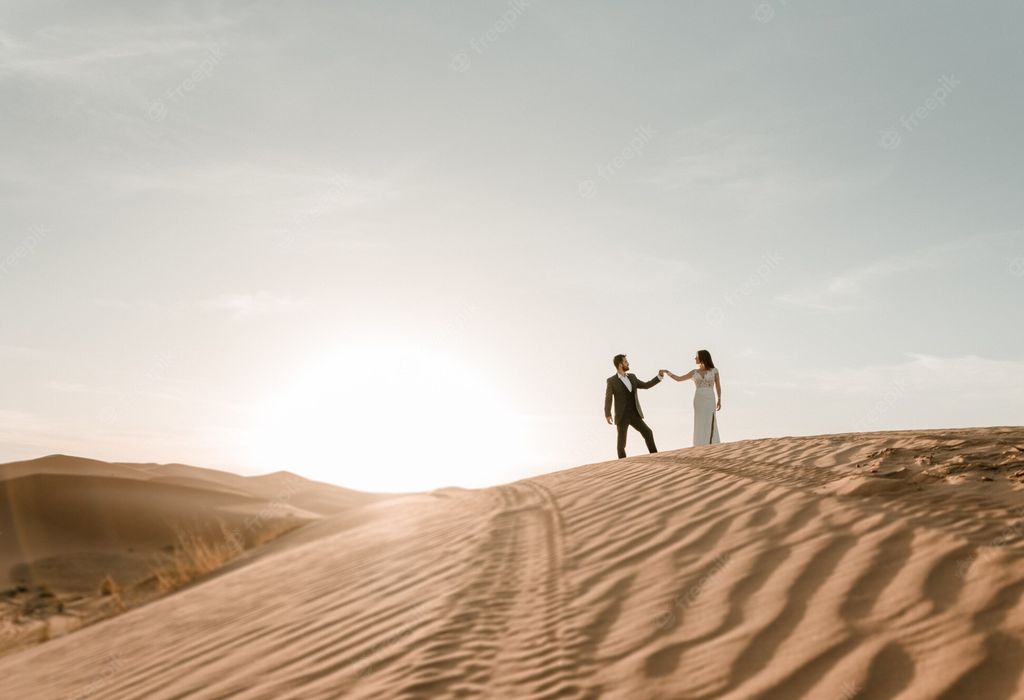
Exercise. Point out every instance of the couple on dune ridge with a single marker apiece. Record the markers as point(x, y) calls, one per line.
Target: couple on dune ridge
point(622, 388)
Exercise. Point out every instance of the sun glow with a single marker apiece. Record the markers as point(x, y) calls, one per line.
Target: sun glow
point(391, 418)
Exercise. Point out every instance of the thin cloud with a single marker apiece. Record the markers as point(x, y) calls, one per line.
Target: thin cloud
point(844, 292)
point(918, 373)
point(242, 305)
point(813, 301)
point(854, 281)
point(58, 52)
point(129, 304)
point(730, 160)
point(251, 305)
point(78, 388)
point(18, 351)
point(62, 63)
point(848, 290)
point(963, 375)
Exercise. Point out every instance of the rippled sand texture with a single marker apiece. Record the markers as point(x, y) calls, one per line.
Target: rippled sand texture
point(882, 565)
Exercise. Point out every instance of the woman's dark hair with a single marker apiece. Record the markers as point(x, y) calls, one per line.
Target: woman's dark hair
point(705, 359)
point(617, 360)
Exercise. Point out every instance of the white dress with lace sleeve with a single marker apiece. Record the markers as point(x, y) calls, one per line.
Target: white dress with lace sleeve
point(705, 420)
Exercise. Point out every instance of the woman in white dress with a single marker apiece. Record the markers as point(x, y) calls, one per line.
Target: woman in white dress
point(705, 405)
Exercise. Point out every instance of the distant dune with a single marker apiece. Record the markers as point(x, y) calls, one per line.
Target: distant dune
point(876, 565)
point(81, 539)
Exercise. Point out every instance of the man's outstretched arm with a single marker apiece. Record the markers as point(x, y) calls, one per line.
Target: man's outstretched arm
point(647, 384)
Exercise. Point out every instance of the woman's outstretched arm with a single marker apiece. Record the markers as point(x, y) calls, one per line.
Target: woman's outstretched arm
point(677, 377)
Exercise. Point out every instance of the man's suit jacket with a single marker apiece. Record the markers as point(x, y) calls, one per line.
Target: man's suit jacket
point(617, 389)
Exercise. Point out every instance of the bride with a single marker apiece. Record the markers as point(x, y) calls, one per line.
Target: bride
point(705, 425)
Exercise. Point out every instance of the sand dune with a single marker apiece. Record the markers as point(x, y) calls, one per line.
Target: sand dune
point(278, 486)
point(883, 565)
point(69, 523)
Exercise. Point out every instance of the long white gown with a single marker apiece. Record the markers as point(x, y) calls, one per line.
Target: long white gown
point(705, 420)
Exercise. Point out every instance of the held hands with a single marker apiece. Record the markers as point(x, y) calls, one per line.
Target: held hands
point(661, 373)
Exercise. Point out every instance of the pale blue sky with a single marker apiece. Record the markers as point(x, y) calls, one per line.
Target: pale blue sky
point(367, 242)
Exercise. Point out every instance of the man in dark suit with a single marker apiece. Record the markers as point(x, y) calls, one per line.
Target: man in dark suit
point(622, 386)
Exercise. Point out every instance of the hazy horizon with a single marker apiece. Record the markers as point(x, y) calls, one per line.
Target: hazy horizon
point(395, 247)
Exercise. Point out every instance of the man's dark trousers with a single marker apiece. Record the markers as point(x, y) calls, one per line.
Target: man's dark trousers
point(631, 417)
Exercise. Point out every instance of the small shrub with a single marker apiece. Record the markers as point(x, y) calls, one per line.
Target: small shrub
point(108, 586)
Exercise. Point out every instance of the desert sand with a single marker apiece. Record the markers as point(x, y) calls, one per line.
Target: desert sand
point(874, 565)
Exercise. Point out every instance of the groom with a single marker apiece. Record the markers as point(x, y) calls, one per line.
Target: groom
point(623, 385)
